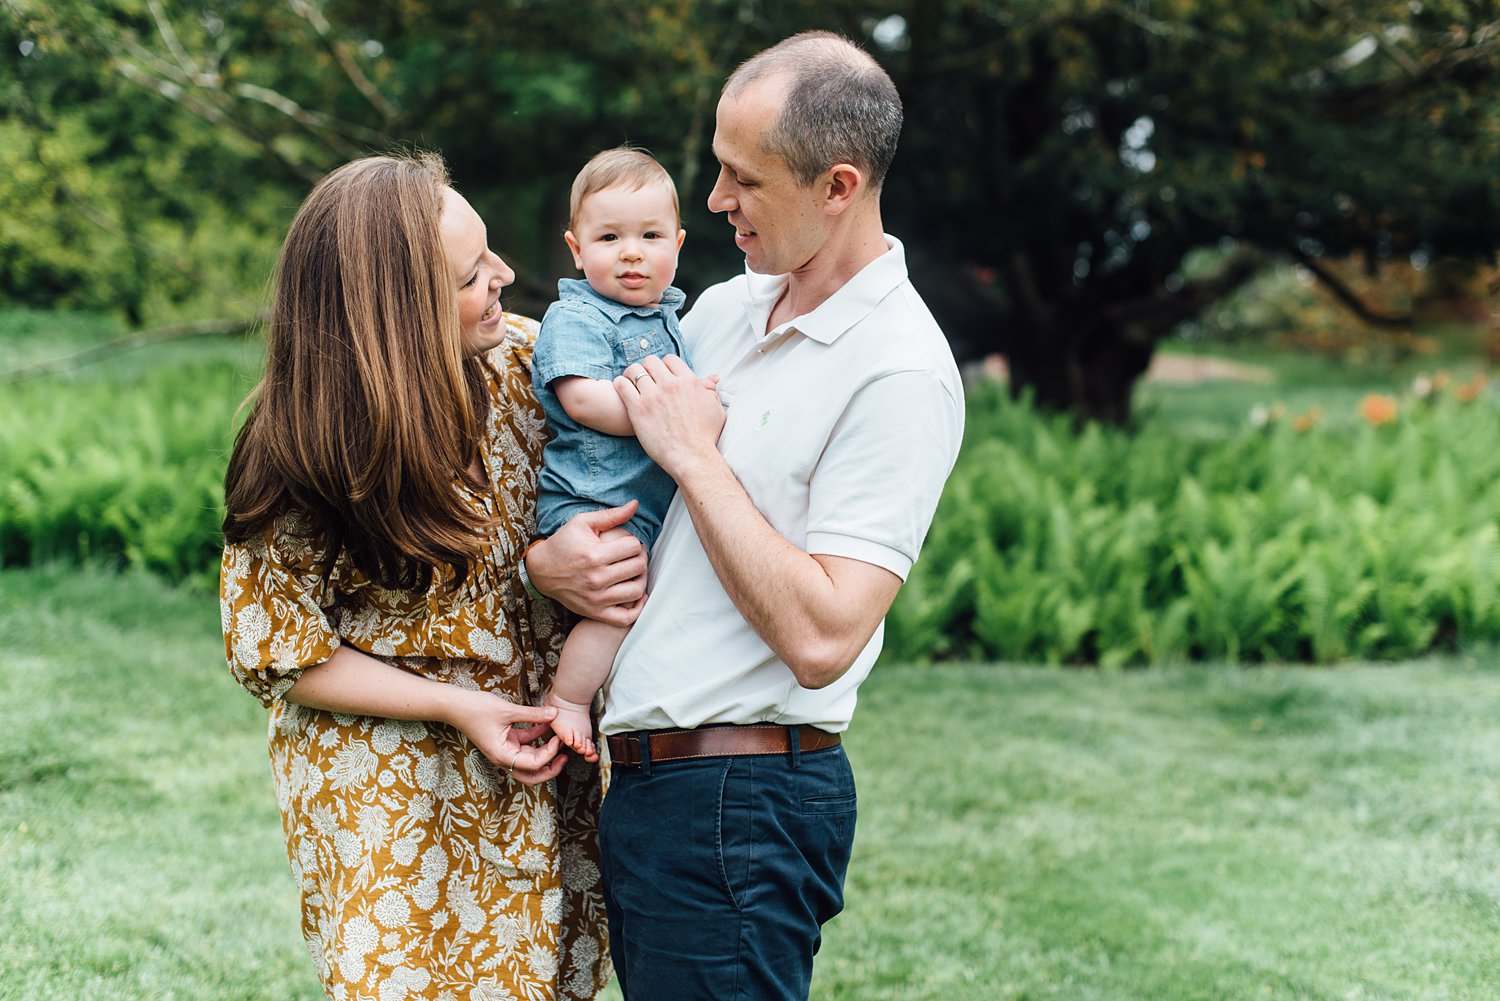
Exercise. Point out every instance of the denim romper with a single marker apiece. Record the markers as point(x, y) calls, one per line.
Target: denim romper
point(586, 334)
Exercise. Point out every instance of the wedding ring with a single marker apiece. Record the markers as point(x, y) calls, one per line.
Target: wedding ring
point(637, 380)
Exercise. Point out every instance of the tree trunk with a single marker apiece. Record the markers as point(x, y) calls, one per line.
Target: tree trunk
point(1090, 371)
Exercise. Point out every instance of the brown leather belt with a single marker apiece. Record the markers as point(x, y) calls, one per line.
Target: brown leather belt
point(716, 742)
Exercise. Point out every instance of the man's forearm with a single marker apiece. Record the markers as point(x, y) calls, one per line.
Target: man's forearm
point(816, 613)
point(815, 621)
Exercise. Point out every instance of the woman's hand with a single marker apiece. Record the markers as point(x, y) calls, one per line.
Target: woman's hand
point(490, 723)
point(353, 682)
point(593, 566)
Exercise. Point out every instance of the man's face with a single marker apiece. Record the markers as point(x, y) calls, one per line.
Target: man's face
point(778, 223)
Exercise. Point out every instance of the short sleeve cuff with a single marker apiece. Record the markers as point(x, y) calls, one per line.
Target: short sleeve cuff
point(277, 689)
point(849, 547)
point(550, 373)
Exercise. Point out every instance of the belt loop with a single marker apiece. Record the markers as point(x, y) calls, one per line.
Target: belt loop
point(794, 738)
point(645, 738)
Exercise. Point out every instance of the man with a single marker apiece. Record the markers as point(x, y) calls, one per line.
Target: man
point(730, 819)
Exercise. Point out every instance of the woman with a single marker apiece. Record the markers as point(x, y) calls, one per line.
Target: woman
point(379, 499)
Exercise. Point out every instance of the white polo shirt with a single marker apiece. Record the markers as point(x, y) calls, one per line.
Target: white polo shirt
point(842, 426)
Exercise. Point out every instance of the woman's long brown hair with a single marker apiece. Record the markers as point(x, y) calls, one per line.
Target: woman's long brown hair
point(369, 416)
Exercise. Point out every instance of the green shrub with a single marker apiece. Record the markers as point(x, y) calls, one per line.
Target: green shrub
point(1052, 544)
point(121, 463)
point(1258, 544)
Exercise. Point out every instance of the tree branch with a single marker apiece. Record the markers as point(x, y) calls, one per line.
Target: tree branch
point(179, 95)
point(183, 84)
point(1147, 320)
point(325, 127)
point(356, 76)
point(1344, 294)
point(169, 36)
point(140, 339)
point(693, 138)
point(1437, 65)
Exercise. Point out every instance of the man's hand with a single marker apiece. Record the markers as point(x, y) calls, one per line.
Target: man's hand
point(593, 566)
point(677, 416)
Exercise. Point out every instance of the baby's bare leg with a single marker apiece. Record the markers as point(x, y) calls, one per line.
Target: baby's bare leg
point(586, 658)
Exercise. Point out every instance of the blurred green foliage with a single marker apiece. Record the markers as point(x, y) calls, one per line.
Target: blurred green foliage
point(120, 464)
point(1062, 160)
point(1302, 539)
point(1275, 534)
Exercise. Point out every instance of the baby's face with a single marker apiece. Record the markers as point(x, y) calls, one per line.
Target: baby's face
point(625, 242)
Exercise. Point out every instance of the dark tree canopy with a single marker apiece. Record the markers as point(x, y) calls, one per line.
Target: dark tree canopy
point(1075, 156)
point(1075, 179)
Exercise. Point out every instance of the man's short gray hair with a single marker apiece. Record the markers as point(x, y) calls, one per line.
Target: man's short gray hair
point(841, 106)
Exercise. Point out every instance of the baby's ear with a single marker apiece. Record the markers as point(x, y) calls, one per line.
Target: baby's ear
point(572, 242)
point(681, 235)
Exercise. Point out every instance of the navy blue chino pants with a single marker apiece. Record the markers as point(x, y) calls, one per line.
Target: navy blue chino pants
point(720, 872)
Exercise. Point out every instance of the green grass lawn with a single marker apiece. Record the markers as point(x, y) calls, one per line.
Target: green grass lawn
point(1196, 833)
point(1300, 381)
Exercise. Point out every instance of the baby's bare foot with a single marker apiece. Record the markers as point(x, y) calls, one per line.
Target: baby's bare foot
point(573, 725)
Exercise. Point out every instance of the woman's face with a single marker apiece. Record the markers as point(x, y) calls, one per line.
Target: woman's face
point(478, 274)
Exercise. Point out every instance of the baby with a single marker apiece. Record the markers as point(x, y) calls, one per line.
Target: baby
point(624, 231)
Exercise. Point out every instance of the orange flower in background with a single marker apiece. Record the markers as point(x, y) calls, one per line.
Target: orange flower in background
point(1471, 389)
point(1308, 421)
point(1377, 409)
point(1440, 380)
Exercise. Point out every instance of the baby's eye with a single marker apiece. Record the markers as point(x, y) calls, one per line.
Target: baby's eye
point(608, 237)
point(651, 234)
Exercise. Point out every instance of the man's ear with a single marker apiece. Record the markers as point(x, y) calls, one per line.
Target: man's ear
point(844, 184)
point(572, 242)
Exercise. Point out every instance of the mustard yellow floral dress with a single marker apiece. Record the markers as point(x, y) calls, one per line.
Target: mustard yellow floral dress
point(424, 871)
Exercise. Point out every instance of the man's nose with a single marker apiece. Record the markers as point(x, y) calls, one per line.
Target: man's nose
point(716, 199)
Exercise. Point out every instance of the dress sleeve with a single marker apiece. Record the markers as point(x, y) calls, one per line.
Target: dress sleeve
point(274, 627)
point(519, 343)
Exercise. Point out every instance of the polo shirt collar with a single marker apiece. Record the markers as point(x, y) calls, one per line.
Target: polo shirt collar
point(576, 288)
point(841, 311)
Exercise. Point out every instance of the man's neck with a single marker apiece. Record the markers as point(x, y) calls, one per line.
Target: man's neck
point(840, 259)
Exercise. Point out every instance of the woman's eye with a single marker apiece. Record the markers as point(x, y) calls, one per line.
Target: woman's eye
point(472, 279)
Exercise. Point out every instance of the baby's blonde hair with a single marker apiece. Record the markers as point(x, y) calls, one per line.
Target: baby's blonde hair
point(627, 167)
